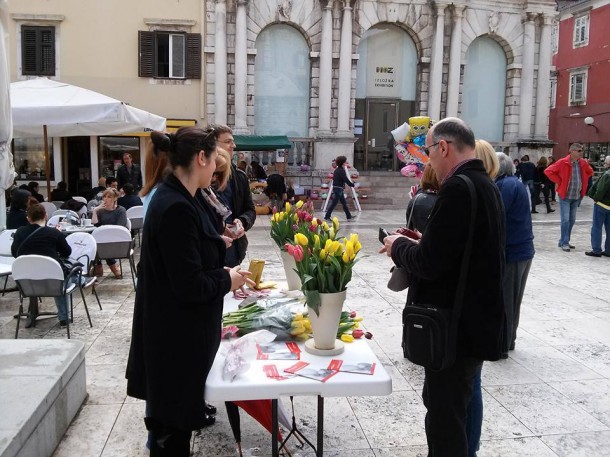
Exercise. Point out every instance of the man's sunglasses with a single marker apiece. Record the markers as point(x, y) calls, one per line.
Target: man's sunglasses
point(426, 149)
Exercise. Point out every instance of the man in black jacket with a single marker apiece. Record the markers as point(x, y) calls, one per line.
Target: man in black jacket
point(129, 172)
point(435, 262)
point(238, 199)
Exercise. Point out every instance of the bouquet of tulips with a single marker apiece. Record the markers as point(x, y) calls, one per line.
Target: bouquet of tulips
point(294, 218)
point(324, 261)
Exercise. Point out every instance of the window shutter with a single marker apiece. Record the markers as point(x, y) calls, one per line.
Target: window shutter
point(193, 56)
point(47, 50)
point(146, 63)
point(28, 51)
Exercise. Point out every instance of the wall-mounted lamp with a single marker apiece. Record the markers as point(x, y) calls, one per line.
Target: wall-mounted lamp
point(590, 122)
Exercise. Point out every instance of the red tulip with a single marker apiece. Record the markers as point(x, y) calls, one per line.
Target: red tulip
point(368, 335)
point(357, 333)
point(308, 217)
point(352, 314)
point(298, 253)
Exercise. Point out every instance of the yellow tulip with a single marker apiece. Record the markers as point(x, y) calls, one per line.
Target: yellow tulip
point(316, 241)
point(323, 254)
point(314, 222)
point(325, 226)
point(299, 204)
point(276, 217)
point(327, 244)
point(347, 338)
point(335, 223)
point(341, 249)
point(333, 247)
point(357, 247)
point(301, 239)
point(353, 237)
point(296, 217)
point(287, 207)
point(281, 216)
point(331, 234)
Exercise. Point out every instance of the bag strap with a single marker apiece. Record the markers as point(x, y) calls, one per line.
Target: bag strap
point(26, 238)
point(459, 295)
point(411, 210)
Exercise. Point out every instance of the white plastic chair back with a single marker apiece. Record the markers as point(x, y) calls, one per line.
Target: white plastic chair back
point(40, 276)
point(135, 215)
point(6, 241)
point(128, 224)
point(57, 203)
point(49, 208)
point(37, 267)
point(54, 221)
point(80, 199)
point(64, 212)
point(111, 234)
point(83, 247)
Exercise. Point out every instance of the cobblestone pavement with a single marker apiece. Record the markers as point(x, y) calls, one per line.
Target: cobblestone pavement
point(551, 397)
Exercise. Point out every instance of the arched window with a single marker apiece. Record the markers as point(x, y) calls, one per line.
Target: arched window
point(281, 83)
point(388, 64)
point(484, 89)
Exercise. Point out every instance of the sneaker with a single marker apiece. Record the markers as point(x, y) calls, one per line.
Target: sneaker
point(571, 246)
point(566, 248)
point(593, 254)
point(550, 211)
point(534, 211)
point(606, 254)
point(63, 323)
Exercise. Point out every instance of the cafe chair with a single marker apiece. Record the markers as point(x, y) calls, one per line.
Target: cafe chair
point(80, 199)
point(57, 203)
point(66, 212)
point(6, 257)
point(115, 242)
point(84, 249)
point(49, 208)
point(41, 276)
point(135, 215)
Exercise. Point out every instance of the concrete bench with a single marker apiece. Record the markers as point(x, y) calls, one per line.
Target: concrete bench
point(42, 386)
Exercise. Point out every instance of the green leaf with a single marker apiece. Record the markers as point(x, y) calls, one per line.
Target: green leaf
point(312, 297)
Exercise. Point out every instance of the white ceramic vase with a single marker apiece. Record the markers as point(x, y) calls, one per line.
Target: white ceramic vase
point(325, 325)
point(294, 282)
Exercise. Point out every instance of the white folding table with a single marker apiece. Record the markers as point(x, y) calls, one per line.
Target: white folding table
point(255, 385)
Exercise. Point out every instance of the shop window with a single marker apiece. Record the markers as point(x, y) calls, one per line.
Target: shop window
point(111, 150)
point(578, 88)
point(169, 55)
point(581, 31)
point(37, 50)
point(28, 154)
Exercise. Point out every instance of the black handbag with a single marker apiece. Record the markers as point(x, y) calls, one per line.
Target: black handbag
point(429, 335)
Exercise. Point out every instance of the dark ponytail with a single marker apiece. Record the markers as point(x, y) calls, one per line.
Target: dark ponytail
point(183, 145)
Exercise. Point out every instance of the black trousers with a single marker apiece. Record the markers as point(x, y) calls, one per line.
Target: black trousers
point(168, 441)
point(447, 394)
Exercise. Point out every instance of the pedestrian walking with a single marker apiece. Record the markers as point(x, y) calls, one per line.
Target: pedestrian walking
point(340, 179)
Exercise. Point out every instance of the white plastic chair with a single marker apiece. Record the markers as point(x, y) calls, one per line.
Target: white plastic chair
point(115, 242)
point(135, 215)
point(80, 199)
point(6, 257)
point(40, 276)
point(57, 203)
point(64, 212)
point(84, 249)
point(49, 208)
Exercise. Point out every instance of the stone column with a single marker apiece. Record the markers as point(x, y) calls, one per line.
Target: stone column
point(345, 71)
point(455, 62)
point(543, 86)
point(326, 64)
point(220, 63)
point(527, 77)
point(241, 69)
point(436, 64)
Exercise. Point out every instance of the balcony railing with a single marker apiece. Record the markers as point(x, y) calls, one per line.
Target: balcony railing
point(301, 153)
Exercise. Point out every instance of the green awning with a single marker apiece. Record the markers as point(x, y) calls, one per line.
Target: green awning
point(261, 142)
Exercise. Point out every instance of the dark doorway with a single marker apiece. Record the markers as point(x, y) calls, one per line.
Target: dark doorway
point(78, 165)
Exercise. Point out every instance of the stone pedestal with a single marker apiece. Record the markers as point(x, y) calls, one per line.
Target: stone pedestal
point(42, 387)
point(327, 149)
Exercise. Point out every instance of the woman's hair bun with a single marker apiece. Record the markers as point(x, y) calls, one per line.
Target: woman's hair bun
point(162, 141)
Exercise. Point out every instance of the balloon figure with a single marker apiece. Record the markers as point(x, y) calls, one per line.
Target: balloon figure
point(410, 139)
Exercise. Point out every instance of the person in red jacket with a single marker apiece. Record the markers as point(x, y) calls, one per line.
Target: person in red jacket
point(571, 177)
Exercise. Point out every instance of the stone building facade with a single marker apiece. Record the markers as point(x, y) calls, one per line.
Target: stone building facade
point(484, 61)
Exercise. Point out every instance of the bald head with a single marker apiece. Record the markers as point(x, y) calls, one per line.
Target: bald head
point(449, 142)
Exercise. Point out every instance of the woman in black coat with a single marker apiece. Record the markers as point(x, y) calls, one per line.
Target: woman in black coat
point(179, 297)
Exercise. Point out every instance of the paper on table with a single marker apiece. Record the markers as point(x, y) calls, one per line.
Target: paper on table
point(312, 372)
point(352, 367)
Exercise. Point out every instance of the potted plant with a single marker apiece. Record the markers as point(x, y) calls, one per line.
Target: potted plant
point(324, 264)
point(284, 225)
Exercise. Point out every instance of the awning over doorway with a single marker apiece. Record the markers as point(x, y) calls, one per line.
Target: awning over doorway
point(261, 142)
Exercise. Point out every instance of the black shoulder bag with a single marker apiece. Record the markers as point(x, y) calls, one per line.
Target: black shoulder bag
point(429, 334)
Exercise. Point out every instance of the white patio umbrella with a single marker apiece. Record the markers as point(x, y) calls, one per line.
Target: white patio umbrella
point(58, 109)
point(7, 169)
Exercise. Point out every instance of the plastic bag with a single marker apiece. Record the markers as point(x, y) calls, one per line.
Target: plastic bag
point(240, 351)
